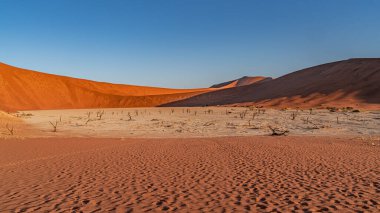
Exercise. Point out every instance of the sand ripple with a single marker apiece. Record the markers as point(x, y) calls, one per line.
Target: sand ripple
point(241, 174)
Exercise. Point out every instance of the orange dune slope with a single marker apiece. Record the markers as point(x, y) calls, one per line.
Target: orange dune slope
point(22, 89)
point(246, 80)
point(353, 82)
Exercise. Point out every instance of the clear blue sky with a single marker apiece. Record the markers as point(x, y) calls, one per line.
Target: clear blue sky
point(184, 43)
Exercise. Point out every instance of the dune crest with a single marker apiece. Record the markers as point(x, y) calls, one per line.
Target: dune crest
point(244, 81)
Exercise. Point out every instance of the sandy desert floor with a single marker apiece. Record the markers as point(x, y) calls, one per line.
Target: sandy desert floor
point(226, 174)
point(174, 159)
point(193, 122)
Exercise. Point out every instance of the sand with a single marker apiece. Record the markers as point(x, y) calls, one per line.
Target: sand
point(22, 89)
point(244, 81)
point(166, 159)
point(348, 83)
point(226, 174)
point(196, 122)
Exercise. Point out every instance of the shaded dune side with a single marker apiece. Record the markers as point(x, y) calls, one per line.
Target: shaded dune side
point(22, 89)
point(353, 82)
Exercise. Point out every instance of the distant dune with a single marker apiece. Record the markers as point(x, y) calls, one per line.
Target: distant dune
point(246, 80)
point(353, 82)
point(22, 89)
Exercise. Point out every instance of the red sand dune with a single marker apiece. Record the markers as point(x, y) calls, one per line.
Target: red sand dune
point(22, 89)
point(353, 82)
point(246, 80)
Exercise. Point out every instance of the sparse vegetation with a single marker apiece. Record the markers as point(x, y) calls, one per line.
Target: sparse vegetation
point(99, 114)
point(243, 114)
point(55, 125)
point(129, 116)
point(209, 123)
point(88, 120)
point(220, 120)
point(22, 115)
point(209, 111)
point(305, 120)
point(332, 109)
point(277, 131)
point(10, 129)
point(254, 115)
point(294, 115)
point(231, 125)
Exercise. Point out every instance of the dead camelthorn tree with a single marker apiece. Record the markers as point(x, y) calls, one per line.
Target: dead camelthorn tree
point(243, 114)
point(254, 115)
point(129, 116)
point(293, 115)
point(88, 115)
point(209, 111)
point(262, 111)
point(10, 129)
point(55, 125)
point(278, 132)
point(305, 120)
point(88, 120)
point(251, 108)
point(100, 114)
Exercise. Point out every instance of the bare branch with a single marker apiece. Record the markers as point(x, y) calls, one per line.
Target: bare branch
point(100, 114)
point(54, 125)
point(278, 132)
point(10, 129)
